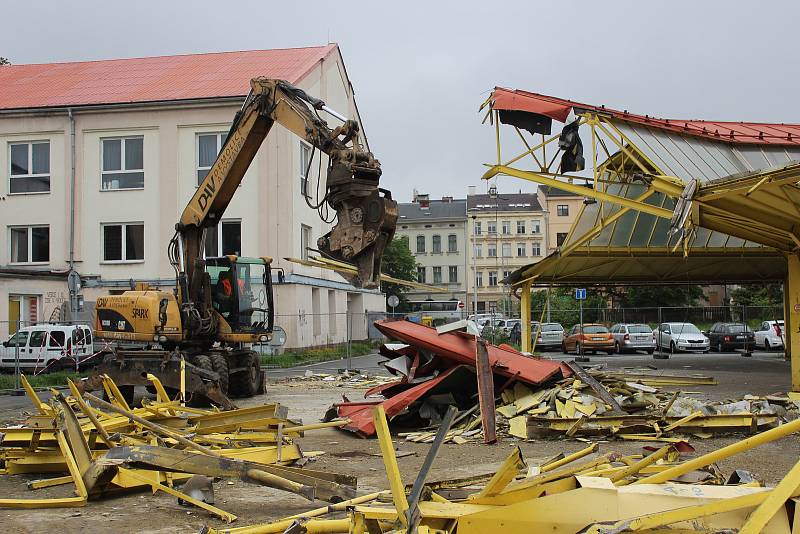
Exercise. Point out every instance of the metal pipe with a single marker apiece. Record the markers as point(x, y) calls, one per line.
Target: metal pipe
point(725, 452)
point(73, 297)
point(334, 113)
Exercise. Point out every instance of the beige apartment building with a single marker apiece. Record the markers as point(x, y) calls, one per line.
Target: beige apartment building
point(99, 158)
point(508, 231)
point(437, 237)
point(561, 210)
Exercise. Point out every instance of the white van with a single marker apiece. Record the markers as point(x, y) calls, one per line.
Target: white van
point(40, 345)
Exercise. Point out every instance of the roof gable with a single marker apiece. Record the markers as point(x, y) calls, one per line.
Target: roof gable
point(151, 79)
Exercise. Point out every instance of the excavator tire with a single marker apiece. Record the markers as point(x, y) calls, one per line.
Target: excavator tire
point(203, 361)
point(219, 364)
point(250, 382)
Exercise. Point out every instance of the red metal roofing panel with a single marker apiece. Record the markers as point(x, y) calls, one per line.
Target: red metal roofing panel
point(751, 133)
point(151, 79)
point(461, 349)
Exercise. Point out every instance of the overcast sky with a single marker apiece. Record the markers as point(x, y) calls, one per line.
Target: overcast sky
point(421, 69)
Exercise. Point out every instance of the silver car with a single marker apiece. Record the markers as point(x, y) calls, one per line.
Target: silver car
point(681, 337)
point(630, 337)
point(550, 335)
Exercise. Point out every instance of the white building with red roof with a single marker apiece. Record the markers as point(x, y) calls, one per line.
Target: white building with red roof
point(99, 158)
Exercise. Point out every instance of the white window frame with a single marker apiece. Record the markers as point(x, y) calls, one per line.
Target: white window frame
point(122, 170)
point(30, 174)
point(489, 226)
point(434, 239)
point(520, 225)
point(536, 227)
point(452, 238)
point(218, 228)
point(478, 251)
point(507, 248)
point(564, 208)
point(491, 247)
point(476, 228)
point(198, 167)
point(424, 245)
point(506, 227)
point(490, 278)
point(479, 279)
point(536, 250)
point(437, 271)
point(29, 228)
point(305, 240)
point(305, 181)
point(124, 247)
point(522, 247)
point(422, 273)
point(452, 269)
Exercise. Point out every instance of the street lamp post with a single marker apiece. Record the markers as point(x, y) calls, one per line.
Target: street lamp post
point(474, 270)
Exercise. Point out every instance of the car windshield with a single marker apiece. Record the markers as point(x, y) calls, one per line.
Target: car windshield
point(736, 328)
point(551, 328)
point(594, 329)
point(684, 328)
point(640, 329)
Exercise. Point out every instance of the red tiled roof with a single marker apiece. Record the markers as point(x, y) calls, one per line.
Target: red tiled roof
point(731, 132)
point(151, 79)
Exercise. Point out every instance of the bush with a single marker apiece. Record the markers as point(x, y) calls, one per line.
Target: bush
point(294, 357)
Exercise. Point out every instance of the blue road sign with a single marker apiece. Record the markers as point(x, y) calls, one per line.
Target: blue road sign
point(580, 294)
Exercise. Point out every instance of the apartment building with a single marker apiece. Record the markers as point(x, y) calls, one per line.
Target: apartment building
point(99, 159)
point(437, 236)
point(507, 231)
point(561, 208)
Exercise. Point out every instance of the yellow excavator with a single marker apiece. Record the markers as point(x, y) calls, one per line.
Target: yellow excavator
point(221, 306)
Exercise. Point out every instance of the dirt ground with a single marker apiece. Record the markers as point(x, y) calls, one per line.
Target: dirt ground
point(346, 453)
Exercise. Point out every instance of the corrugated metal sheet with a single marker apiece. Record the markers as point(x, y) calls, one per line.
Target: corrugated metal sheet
point(151, 79)
point(753, 133)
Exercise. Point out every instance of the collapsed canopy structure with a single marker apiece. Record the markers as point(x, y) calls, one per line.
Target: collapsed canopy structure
point(668, 201)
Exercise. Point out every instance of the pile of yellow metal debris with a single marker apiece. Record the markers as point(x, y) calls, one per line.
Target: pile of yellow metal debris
point(105, 447)
point(630, 406)
point(586, 492)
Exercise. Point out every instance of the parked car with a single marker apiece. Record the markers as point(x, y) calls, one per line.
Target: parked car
point(38, 346)
point(731, 336)
point(630, 337)
point(550, 335)
point(588, 339)
point(770, 335)
point(681, 337)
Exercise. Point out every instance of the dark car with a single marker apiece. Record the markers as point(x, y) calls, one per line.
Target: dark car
point(731, 336)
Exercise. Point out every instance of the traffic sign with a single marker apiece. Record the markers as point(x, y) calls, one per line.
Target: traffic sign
point(460, 305)
point(393, 301)
point(580, 294)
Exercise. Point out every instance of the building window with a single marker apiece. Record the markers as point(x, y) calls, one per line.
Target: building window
point(123, 242)
point(478, 251)
point(520, 227)
point(436, 245)
point(506, 250)
point(535, 228)
point(224, 239)
point(30, 167)
point(506, 274)
point(521, 250)
point(492, 278)
point(208, 147)
point(477, 228)
point(123, 163)
point(305, 240)
point(481, 306)
point(536, 249)
point(420, 244)
point(23, 310)
point(560, 238)
point(479, 279)
point(492, 250)
point(491, 227)
point(453, 274)
point(437, 275)
point(30, 244)
point(562, 210)
point(421, 274)
point(452, 243)
point(305, 162)
point(506, 227)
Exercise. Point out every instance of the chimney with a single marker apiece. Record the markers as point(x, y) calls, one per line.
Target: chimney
point(423, 199)
point(447, 199)
point(471, 190)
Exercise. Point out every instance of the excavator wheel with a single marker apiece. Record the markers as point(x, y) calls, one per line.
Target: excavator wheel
point(247, 383)
point(219, 364)
point(203, 361)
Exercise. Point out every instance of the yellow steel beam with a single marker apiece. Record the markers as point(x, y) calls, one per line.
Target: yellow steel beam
point(578, 190)
point(777, 499)
point(43, 408)
point(570, 458)
point(791, 296)
point(332, 265)
point(725, 452)
point(525, 316)
point(504, 475)
point(390, 463)
point(619, 478)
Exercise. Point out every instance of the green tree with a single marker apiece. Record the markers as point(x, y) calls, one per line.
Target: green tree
point(4, 61)
point(398, 262)
point(655, 296)
point(758, 295)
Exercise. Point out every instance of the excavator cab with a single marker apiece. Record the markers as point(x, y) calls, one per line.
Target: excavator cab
point(241, 293)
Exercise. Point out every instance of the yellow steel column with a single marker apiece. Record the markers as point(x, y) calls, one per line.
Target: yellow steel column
point(525, 316)
point(791, 299)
